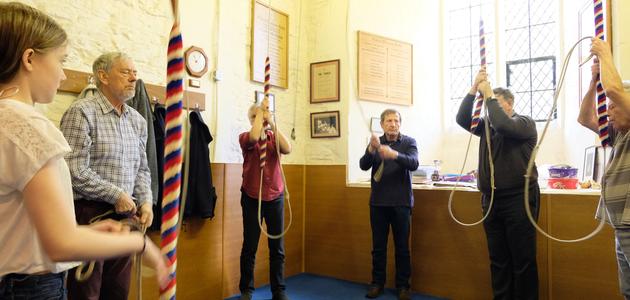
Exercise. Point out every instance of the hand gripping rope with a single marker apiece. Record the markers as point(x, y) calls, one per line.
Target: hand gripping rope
point(81, 274)
point(473, 126)
point(602, 111)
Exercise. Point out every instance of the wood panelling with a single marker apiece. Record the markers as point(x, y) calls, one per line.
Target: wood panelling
point(542, 248)
point(332, 222)
point(233, 230)
point(450, 260)
point(199, 254)
point(295, 236)
point(338, 236)
point(209, 250)
point(584, 270)
point(447, 258)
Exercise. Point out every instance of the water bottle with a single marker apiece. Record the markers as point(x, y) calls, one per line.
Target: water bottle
point(436, 173)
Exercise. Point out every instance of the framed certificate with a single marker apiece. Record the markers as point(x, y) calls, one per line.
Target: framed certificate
point(270, 38)
point(385, 69)
point(325, 81)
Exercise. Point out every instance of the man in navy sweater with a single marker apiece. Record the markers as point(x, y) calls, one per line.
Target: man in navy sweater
point(392, 157)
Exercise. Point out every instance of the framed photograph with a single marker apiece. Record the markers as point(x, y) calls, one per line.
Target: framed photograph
point(375, 125)
point(272, 100)
point(602, 159)
point(325, 81)
point(325, 124)
point(590, 159)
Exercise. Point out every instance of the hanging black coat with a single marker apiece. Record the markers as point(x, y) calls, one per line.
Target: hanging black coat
point(159, 115)
point(140, 102)
point(201, 197)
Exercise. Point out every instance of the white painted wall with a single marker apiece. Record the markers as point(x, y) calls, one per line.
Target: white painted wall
point(440, 138)
point(621, 39)
point(236, 92)
point(327, 40)
point(576, 138)
point(95, 27)
point(220, 27)
point(413, 22)
point(565, 139)
point(319, 30)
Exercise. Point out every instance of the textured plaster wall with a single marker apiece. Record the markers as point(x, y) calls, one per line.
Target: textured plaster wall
point(318, 30)
point(221, 28)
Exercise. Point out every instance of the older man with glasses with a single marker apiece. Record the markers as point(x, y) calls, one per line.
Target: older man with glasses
point(108, 163)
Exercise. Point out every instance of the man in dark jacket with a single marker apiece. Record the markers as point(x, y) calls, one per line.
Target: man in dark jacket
point(392, 157)
point(510, 235)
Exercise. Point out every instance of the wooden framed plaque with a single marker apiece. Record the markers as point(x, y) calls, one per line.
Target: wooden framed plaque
point(325, 81)
point(270, 37)
point(385, 69)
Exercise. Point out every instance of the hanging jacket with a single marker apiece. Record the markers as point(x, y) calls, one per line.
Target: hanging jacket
point(88, 91)
point(159, 126)
point(140, 102)
point(201, 197)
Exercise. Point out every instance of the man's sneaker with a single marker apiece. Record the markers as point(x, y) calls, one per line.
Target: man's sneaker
point(246, 296)
point(404, 294)
point(279, 295)
point(374, 291)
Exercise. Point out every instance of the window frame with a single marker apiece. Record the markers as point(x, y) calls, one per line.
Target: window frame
point(498, 65)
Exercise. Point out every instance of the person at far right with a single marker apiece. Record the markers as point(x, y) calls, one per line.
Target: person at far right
point(614, 204)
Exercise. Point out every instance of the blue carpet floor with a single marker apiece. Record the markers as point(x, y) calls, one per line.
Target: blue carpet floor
point(314, 287)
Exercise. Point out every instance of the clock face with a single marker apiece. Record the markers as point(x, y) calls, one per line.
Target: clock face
point(196, 61)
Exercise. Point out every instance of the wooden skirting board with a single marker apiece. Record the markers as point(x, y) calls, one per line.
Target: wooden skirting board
point(77, 80)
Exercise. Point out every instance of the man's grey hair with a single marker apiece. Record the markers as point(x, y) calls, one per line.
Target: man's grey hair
point(506, 93)
point(390, 111)
point(105, 62)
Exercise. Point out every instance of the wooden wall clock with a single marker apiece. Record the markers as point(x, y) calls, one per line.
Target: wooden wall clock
point(196, 61)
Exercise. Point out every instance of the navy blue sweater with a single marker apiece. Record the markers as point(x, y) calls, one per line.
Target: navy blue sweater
point(394, 189)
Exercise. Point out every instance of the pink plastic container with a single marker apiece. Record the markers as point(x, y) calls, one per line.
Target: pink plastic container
point(563, 183)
